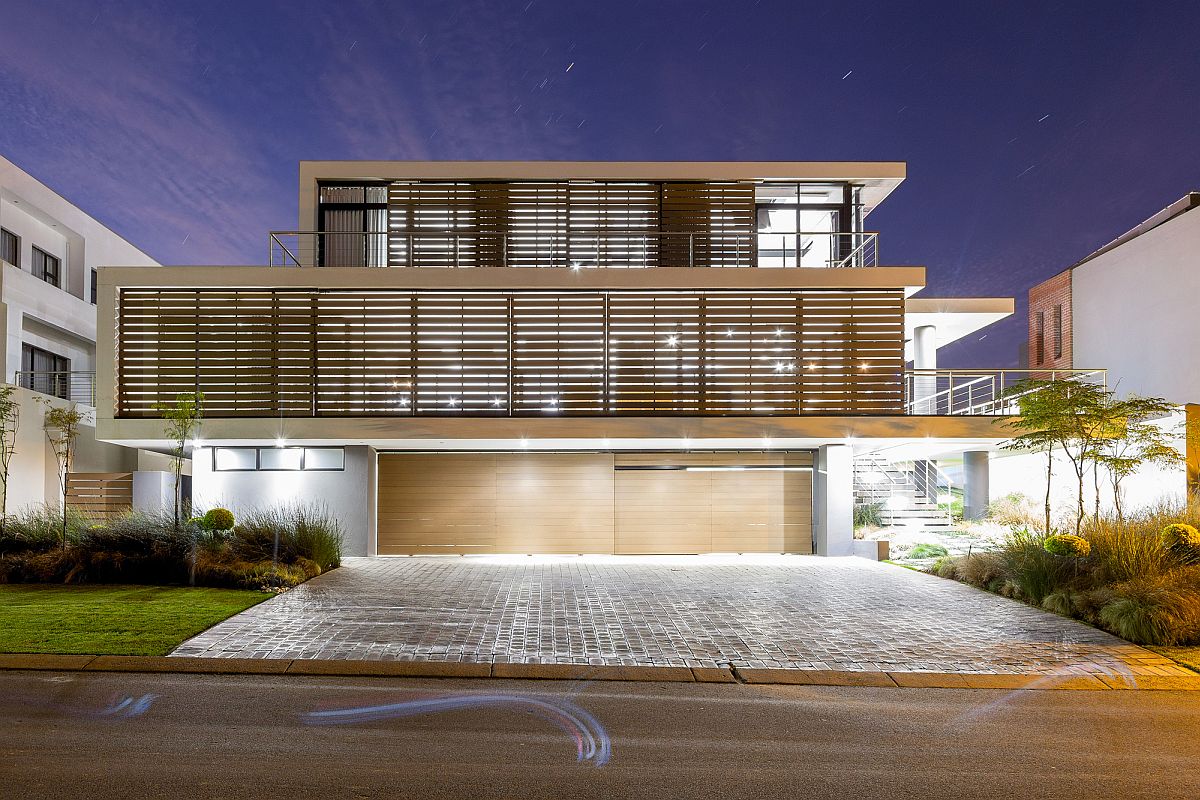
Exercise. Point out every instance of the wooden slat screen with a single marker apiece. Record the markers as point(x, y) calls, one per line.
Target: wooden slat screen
point(100, 494)
point(363, 353)
point(570, 223)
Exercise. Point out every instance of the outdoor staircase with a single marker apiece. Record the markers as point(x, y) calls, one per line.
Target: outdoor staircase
point(907, 492)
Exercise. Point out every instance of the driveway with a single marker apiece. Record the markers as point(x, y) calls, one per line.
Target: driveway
point(798, 612)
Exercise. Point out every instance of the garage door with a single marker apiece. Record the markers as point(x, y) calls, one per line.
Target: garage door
point(594, 503)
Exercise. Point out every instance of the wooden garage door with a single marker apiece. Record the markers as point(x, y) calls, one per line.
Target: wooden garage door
point(594, 503)
point(714, 503)
point(495, 503)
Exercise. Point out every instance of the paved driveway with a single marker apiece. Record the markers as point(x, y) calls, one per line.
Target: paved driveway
point(753, 611)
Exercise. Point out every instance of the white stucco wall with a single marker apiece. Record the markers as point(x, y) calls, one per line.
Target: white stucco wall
point(1133, 312)
point(349, 495)
point(33, 473)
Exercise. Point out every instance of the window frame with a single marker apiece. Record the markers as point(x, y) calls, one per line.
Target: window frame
point(258, 467)
point(16, 261)
point(46, 258)
point(1058, 331)
point(1040, 338)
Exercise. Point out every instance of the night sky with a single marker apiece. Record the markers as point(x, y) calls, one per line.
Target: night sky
point(1034, 132)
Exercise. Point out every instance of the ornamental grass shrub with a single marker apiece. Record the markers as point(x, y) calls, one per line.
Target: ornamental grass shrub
point(1068, 545)
point(1138, 578)
point(136, 547)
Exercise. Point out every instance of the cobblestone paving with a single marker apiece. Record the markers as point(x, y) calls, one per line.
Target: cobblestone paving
point(752, 611)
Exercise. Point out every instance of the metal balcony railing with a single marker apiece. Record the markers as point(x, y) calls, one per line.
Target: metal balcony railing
point(581, 249)
point(78, 387)
point(987, 392)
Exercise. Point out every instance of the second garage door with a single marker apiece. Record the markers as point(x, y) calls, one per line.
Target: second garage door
point(647, 503)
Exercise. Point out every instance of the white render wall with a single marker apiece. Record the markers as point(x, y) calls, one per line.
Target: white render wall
point(1134, 309)
point(33, 473)
point(349, 495)
point(59, 319)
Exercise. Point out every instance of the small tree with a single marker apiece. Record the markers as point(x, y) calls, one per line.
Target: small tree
point(62, 424)
point(182, 419)
point(1059, 413)
point(10, 421)
point(1135, 441)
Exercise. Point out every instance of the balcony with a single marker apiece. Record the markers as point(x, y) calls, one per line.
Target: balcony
point(607, 248)
point(78, 387)
point(974, 392)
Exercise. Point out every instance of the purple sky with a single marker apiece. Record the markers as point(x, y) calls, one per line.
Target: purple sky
point(1033, 132)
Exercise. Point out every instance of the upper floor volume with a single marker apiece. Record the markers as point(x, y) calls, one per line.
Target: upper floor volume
point(586, 214)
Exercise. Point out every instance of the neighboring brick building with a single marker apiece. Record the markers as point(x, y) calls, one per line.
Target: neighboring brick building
point(1050, 323)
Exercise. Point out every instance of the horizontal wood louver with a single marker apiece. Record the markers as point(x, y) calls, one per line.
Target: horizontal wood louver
point(710, 224)
point(304, 352)
point(570, 224)
point(100, 495)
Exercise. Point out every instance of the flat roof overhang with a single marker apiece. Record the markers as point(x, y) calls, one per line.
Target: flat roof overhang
point(877, 178)
point(952, 433)
point(954, 317)
point(910, 279)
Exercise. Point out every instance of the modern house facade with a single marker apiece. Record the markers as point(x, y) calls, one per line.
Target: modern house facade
point(1127, 305)
point(563, 357)
point(50, 251)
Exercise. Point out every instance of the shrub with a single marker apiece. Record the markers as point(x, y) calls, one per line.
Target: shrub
point(985, 570)
point(1182, 541)
point(1014, 510)
point(1161, 610)
point(1067, 544)
point(1123, 551)
point(928, 551)
point(1033, 571)
point(285, 534)
point(218, 519)
point(946, 567)
point(868, 515)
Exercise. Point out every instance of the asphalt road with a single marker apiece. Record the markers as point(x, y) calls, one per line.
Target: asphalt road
point(148, 736)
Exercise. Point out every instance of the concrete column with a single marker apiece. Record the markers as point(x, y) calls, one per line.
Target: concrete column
point(976, 495)
point(925, 357)
point(833, 501)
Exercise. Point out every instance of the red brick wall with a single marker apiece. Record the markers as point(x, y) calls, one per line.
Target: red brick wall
point(1043, 299)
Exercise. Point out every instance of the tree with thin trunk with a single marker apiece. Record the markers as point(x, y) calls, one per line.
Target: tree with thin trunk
point(183, 418)
point(1057, 414)
point(1134, 440)
point(10, 421)
point(62, 425)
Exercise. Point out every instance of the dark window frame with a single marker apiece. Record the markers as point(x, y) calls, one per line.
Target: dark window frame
point(1040, 338)
point(7, 235)
point(258, 467)
point(1058, 331)
point(41, 259)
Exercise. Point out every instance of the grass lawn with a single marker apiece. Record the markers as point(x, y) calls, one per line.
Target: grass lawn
point(111, 620)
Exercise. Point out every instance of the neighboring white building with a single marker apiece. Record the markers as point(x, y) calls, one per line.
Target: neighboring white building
point(49, 253)
point(1129, 307)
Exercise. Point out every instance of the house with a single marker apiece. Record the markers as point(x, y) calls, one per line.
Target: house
point(564, 357)
point(50, 251)
point(1128, 306)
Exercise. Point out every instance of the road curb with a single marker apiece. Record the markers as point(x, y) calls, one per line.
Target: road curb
point(589, 672)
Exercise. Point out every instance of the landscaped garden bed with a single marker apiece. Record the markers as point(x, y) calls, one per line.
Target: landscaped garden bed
point(112, 620)
point(265, 550)
point(1137, 577)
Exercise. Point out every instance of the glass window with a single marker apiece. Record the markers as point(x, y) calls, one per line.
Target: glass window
point(95, 281)
point(285, 458)
point(234, 458)
point(1058, 332)
point(10, 247)
point(46, 266)
point(324, 458)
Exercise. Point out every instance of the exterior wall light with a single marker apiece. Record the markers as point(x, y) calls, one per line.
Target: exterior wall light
point(281, 442)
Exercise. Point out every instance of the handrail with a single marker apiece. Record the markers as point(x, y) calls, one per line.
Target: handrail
point(78, 386)
point(577, 248)
point(942, 392)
